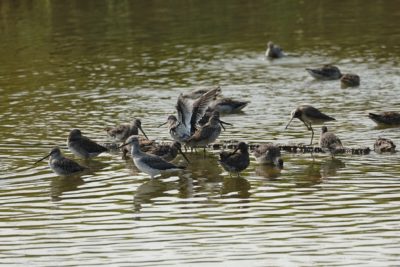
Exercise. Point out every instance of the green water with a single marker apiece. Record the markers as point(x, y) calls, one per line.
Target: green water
point(93, 64)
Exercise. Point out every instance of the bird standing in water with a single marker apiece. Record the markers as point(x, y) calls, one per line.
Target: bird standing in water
point(82, 146)
point(121, 132)
point(236, 161)
point(326, 72)
point(273, 51)
point(309, 115)
point(329, 142)
point(61, 165)
point(268, 154)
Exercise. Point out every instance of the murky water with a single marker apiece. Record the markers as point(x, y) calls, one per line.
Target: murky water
point(92, 64)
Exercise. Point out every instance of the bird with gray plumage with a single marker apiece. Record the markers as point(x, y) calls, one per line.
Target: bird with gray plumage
point(273, 51)
point(228, 105)
point(268, 154)
point(206, 134)
point(309, 115)
point(167, 151)
point(389, 118)
point(236, 161)
point(82, 146)
point(350, 80)
point(181, 128)
point(329, 142)
point(150, 164)
point(121, 132)
point(326, 72)
point(195, 94)
point(384, 145)
point(61, 165)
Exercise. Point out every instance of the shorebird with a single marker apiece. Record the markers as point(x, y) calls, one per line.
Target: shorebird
point(228, 105)
point(189, 113)
point(121, 132)
point(150, 164)
point(168, 151)
point(350, 80)
point(309, 115)
point(273, 51)
point(195, 94)
point(206, 134)
point(82, 146)
point(235, 161)
point(386, 118)
point(268, 154)
point(329, 142)
point(61, 165)
point(384, 145)
point(326, 72)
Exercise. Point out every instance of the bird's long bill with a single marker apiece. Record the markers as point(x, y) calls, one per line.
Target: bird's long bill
point(222, 124)
point(140, 128)
point(42, 159)
point(123, 145)
point(289, 123)
point(183, 155)
point(162, 124)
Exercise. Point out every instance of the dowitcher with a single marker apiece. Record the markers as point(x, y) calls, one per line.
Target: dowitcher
point(326, 72)
point(121, 132)
point(273, 51)
point(386, 118)
point(206, 134)
point(195, 94)
point(236, 161)
point(168, 151)
point(268, 154)
point(384, 145)
point(150, 164)
point(350, 80)
point(309, 115)
point(61, 165)
point(228, 105)
point(329, 142)
point(189, 113)
point(82, 146)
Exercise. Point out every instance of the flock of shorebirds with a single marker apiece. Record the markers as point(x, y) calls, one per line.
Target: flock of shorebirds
point(198, 125)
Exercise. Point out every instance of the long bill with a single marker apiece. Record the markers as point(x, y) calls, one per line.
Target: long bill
point(140, 128)
point(42, 159)
point(123, 145)
point(289, 123)
point(183, 155)
point(162, 124)
point(226, 123)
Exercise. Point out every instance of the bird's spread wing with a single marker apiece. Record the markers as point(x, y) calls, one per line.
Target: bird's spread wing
point(184, 108)
point(201, 104)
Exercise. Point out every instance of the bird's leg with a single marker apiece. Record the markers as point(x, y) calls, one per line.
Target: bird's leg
point(312, 134)
point(204, 152)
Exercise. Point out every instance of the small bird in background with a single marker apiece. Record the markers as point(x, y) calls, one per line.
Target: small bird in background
point(236, 161)
point(268, 154)
point(350, 80)
point(326, 72)
point(168, 151)
point(82, 146)
point(273, 51)
point(121, 132)
point(61, 165)
point(388, 118)
point(384, 145)
point(329, 142)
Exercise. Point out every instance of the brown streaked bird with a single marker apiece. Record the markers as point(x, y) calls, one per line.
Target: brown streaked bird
point(326, 72)
point(268, 154)
point(309, 115)
point(350, 80)
point(61, 165)
point(206, 134)
point(228, 105)
point(168, 151)
point(384, 145)
point(148, 163)
point(329, 142)
point(236, 161)
point(273, 51)
point(121, 132)
point(390, 118)
point(82, 146)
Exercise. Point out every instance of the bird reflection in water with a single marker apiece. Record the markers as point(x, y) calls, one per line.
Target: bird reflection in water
point(237, 187)
point(330, 167)
point(61, 184)
point(149, 190)
point(268, 171)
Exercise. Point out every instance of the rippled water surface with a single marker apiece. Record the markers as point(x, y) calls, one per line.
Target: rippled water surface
point(93, 64)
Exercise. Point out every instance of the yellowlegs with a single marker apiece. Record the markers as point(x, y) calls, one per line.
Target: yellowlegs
point(326, 72)
point(228, 105)
point(121, 132)
point(350, 80)
point(268, 154)
point(309, 115)
point(148, 163)
point(189, 113)
point(384, 145)
point(329, 142)
point(206, 134)
point(386, 118)
point(236, 161)
point(82, 146)
point(61, 165)
point(273, 51)
point(167, 151)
